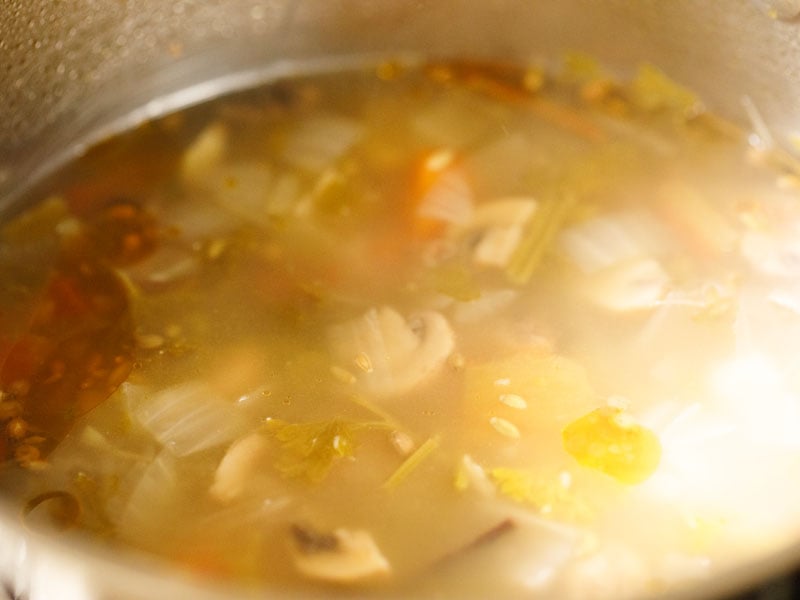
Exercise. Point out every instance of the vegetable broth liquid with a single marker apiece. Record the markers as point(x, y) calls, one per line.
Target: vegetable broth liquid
point(456, 329)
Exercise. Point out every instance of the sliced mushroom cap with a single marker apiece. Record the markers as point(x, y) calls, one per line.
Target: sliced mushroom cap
point(390, 354)
point(238, 466)
point(496, 228)
point(342, 556)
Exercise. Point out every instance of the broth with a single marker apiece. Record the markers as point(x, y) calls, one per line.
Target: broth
point(452, 329)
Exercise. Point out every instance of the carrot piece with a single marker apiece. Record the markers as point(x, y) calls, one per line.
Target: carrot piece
point(441, 194)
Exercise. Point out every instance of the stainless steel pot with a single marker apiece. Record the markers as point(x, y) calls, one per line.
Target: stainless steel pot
point(75, 71)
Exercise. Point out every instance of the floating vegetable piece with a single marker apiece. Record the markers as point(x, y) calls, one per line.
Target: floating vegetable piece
point(403, 353)
point(653, 90)
point(470, 474)
point(317, 143)
point(412, 462)
point(538, 236)
point(483, 307)
point(342, 556)
point(238, 466)
point(152, 492)
point(496, 229)
point(549, 495)
point(205, 152)
point(607, 240)
point(442, 194)
point(187, 417)
point(636, 284)
point(609, 440)
point(241, 188)
point(309, 450)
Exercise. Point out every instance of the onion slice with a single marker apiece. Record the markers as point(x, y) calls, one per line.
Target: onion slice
point(186, 418)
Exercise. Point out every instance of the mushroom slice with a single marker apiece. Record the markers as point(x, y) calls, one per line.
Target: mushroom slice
point(497, 229)
point(205, 152)
point(391, 354)
point(237, 467)
point(342, 556)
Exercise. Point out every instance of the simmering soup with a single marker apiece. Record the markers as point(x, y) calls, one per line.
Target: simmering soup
point(453, 329)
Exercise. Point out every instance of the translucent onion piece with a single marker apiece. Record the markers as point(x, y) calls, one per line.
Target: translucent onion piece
point(498, 228)
point(484, 307)
point(187, 417)
point(449, 199)
point(169, 265)
point(319, 142)
point(153, 492)
point(241, 188)
point(608, 240)
point(633, 285)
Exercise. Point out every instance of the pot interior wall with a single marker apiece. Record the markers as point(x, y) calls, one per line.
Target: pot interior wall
point(72, 73)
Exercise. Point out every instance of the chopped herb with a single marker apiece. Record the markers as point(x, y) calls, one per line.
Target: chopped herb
point(539, 235)
point(412, 462)
point(309, 450)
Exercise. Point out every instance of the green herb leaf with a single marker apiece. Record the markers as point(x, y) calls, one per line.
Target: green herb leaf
point(309, 450)
point(412, 462)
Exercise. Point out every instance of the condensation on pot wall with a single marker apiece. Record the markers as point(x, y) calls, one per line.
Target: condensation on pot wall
point(68, 70)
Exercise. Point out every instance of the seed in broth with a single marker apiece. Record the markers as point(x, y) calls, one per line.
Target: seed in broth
point(464, 329)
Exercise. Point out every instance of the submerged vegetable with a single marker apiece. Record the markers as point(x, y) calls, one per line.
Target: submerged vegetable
point(393, 354)
point(309, 450)
point(342, 556)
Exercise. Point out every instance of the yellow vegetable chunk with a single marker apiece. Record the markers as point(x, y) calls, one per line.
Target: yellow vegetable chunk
point(607, 439)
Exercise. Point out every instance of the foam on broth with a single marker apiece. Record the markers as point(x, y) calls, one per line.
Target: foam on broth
point(457, 329)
